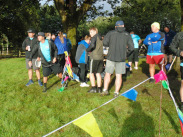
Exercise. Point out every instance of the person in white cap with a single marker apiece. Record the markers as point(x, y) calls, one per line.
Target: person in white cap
point(155, 53)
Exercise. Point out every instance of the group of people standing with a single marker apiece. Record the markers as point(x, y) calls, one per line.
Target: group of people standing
point(120, 43)
point(116, 41)
point(49, 51)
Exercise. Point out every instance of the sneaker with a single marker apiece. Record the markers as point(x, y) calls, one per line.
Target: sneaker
point(84, 85)
point(151, 80)
point(29, 83)
point(105, 93)
point(136, 68)
point(93, 90)
point(99, 90)
point(44, 89)
point(116, 94)
point(40, 83)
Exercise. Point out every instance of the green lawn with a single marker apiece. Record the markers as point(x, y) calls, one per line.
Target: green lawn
point(27, 112)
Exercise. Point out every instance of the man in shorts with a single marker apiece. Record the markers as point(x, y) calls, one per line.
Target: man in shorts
point(27, 46)
point(96, 60)
point(136, 41)
point(155, 53)
point(177, 48)
point(47, 53)
point(118, 41)
point(169, 35)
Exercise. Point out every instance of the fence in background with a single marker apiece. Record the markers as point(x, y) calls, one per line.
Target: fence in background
point(11, 52)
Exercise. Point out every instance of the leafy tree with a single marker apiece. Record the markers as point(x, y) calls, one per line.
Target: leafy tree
point(181, 4)
point(73, 11)
point(16, 17)
point(104, 24)
point(50, 20)
point(139, 14)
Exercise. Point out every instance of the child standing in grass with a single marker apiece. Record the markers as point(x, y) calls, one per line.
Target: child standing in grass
point(82, 58)
point(96, 60)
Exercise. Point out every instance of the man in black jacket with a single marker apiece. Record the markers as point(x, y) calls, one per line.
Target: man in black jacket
point(27, 46)
point(118, 41)
point(177, 48)
point(47, 53)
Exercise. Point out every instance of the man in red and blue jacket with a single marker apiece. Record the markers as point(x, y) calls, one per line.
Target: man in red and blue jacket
point(155, 53)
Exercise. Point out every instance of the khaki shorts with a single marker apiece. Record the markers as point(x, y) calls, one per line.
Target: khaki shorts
point(119, 67)
point(33, 64)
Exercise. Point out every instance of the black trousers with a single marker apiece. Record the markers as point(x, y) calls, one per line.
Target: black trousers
point(83, 72)
point(61, 61)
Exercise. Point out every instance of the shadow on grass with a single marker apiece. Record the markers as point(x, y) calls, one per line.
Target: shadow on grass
point(174, 125)
point(174, 85)
point(53, 84)
point(145, 91)
point(113, 113)
point(145, 68)
point(138, 124)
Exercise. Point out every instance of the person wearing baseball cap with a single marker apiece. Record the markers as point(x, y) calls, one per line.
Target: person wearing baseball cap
point(119, 23)
point(31, 30)
point(47, 53)
point(155, 53)
point(27, 46)
point(117, 40)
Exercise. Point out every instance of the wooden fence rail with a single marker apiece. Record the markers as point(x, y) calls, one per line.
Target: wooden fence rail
point(11, 52)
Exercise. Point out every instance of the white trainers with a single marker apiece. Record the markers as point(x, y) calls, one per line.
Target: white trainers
point(136, 68)
point(84, 85)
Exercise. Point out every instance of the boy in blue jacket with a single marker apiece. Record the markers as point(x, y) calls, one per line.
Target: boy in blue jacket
point(82, 58)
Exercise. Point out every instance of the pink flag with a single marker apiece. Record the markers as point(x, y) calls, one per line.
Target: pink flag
point(160, 76)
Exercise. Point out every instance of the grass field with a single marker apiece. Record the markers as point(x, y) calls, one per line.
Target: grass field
point(27, 112)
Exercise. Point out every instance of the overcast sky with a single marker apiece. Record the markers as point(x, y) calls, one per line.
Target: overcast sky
point(106, 5)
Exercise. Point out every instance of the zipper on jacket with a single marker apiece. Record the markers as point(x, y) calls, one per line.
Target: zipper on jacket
point(31, 45)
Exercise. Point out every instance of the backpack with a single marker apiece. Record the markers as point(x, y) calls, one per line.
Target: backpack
point(97, 53)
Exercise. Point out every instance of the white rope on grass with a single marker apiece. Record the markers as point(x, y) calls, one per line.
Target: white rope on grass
point(92, 110)
point(171, 95)
point(135, 86)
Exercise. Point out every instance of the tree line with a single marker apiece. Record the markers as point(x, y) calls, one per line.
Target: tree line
point(75, 17)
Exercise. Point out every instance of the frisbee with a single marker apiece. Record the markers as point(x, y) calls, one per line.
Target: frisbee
point(38, 63)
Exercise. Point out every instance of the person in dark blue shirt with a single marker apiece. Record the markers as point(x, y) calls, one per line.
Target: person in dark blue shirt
point(169, 35)
point(61, 44)
point(69, 44)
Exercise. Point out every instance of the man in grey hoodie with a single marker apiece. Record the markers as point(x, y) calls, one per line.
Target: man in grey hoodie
point(118, 41)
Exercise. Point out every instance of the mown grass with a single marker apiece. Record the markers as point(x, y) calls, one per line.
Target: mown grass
point(26, 111)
